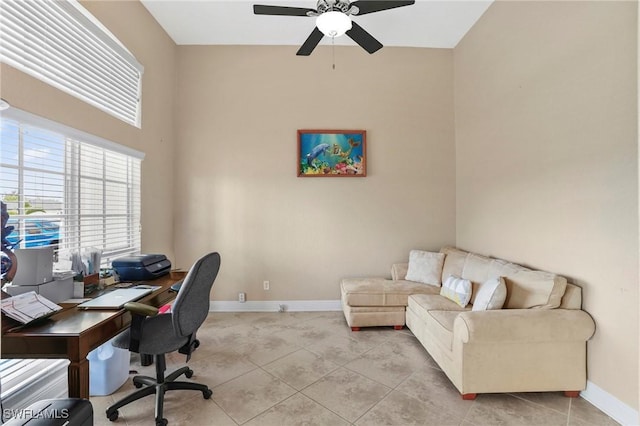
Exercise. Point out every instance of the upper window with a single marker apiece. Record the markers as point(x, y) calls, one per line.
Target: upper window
point(67, 189)
point(62, 44)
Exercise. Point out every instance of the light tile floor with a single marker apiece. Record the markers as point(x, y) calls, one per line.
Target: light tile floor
point(309, 368)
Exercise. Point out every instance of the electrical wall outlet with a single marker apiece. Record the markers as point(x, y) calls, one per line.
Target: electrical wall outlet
point(265, 285)
point(242, 297)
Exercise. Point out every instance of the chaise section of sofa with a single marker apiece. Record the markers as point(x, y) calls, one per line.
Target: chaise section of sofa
point(537, 342)
point(370, 302)
point(375, 302)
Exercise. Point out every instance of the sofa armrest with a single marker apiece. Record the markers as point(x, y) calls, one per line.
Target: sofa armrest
point(513, 325)
point(399, 271)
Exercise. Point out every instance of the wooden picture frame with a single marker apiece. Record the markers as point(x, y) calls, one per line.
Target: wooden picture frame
point(332, 153)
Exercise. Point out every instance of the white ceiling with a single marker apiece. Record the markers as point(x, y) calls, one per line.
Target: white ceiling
point(428, 23)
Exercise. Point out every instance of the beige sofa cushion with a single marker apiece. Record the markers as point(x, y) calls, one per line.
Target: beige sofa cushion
point(476, 270)
point(399, 271)
point(496, 268)
point(534, 289)
point(501, 268)
point(381, 292)
point(439, 314)
point(441, 325)
point(453, 261)
point(572, 298)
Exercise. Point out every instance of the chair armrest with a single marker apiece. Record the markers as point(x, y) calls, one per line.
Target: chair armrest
point(399, 271)
point(139, 312)
point(517, 325)
point(141, 309)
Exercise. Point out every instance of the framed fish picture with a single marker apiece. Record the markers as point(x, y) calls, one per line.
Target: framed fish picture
point(332, 153)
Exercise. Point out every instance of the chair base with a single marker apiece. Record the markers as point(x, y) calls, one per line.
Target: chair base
point(148, 385)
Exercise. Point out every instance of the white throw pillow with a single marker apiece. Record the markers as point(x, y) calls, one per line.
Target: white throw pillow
point(425, 267)
point(457, 289)
point(491, 295)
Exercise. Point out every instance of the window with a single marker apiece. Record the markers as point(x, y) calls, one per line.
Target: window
point(68, 189)
point(62, 44)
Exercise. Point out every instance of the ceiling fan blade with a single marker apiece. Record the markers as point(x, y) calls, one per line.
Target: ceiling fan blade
point(363, 38)
point(370, 6)
point(260, 9)
point(311, 42)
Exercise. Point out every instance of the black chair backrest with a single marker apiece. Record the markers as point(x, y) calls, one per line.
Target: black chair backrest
point(192, 303)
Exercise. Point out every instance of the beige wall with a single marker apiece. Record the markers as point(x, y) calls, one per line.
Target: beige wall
point(237, 191)
point(139, 32)
point(547, 162)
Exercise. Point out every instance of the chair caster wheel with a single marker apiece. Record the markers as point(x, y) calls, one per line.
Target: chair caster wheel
point(162, 422)
point(196, 344)
point(113, 416)
point(137, 385)
point(207, 394)
point(188, 374)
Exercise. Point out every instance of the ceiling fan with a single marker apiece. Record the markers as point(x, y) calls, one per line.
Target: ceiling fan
point(333, 19)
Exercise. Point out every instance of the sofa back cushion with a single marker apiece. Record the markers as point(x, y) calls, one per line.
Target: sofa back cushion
point(476, 270)
point(526, 288)
point(453, 262)
point(399, 271)
point(572, 298)
point(534, 289)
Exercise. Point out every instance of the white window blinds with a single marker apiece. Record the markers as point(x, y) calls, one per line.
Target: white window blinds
point(62, 44)
point(68, 189)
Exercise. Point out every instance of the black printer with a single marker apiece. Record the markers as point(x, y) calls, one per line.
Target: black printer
point(141, 267)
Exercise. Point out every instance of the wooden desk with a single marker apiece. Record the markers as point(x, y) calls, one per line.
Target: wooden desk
point(72, 333)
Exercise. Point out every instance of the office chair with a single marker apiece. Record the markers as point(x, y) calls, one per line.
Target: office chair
point(160, 334)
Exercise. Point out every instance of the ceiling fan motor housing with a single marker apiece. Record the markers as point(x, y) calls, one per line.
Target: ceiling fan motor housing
point(333, 5)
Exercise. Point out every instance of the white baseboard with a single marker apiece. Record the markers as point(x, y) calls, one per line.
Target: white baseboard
point(274, 305)
point(610, 405)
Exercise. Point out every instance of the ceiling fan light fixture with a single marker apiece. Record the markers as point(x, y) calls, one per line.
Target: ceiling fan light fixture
point(333, 24)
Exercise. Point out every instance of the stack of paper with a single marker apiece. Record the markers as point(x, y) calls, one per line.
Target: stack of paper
point(28, 307)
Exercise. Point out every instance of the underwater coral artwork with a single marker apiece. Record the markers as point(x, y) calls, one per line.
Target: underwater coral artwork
point(332, 153)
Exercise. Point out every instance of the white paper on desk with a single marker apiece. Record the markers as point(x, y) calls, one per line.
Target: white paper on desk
point(27, 307)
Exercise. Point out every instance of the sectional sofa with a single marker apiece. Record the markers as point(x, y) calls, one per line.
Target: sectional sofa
point(520, 330)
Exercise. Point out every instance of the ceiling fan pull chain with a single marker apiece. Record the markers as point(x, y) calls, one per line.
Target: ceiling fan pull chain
point(333, 51)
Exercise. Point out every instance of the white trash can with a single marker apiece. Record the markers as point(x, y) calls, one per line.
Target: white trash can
point(108, 369)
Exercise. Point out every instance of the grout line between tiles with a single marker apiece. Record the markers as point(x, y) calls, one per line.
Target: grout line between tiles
point(542, 405)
